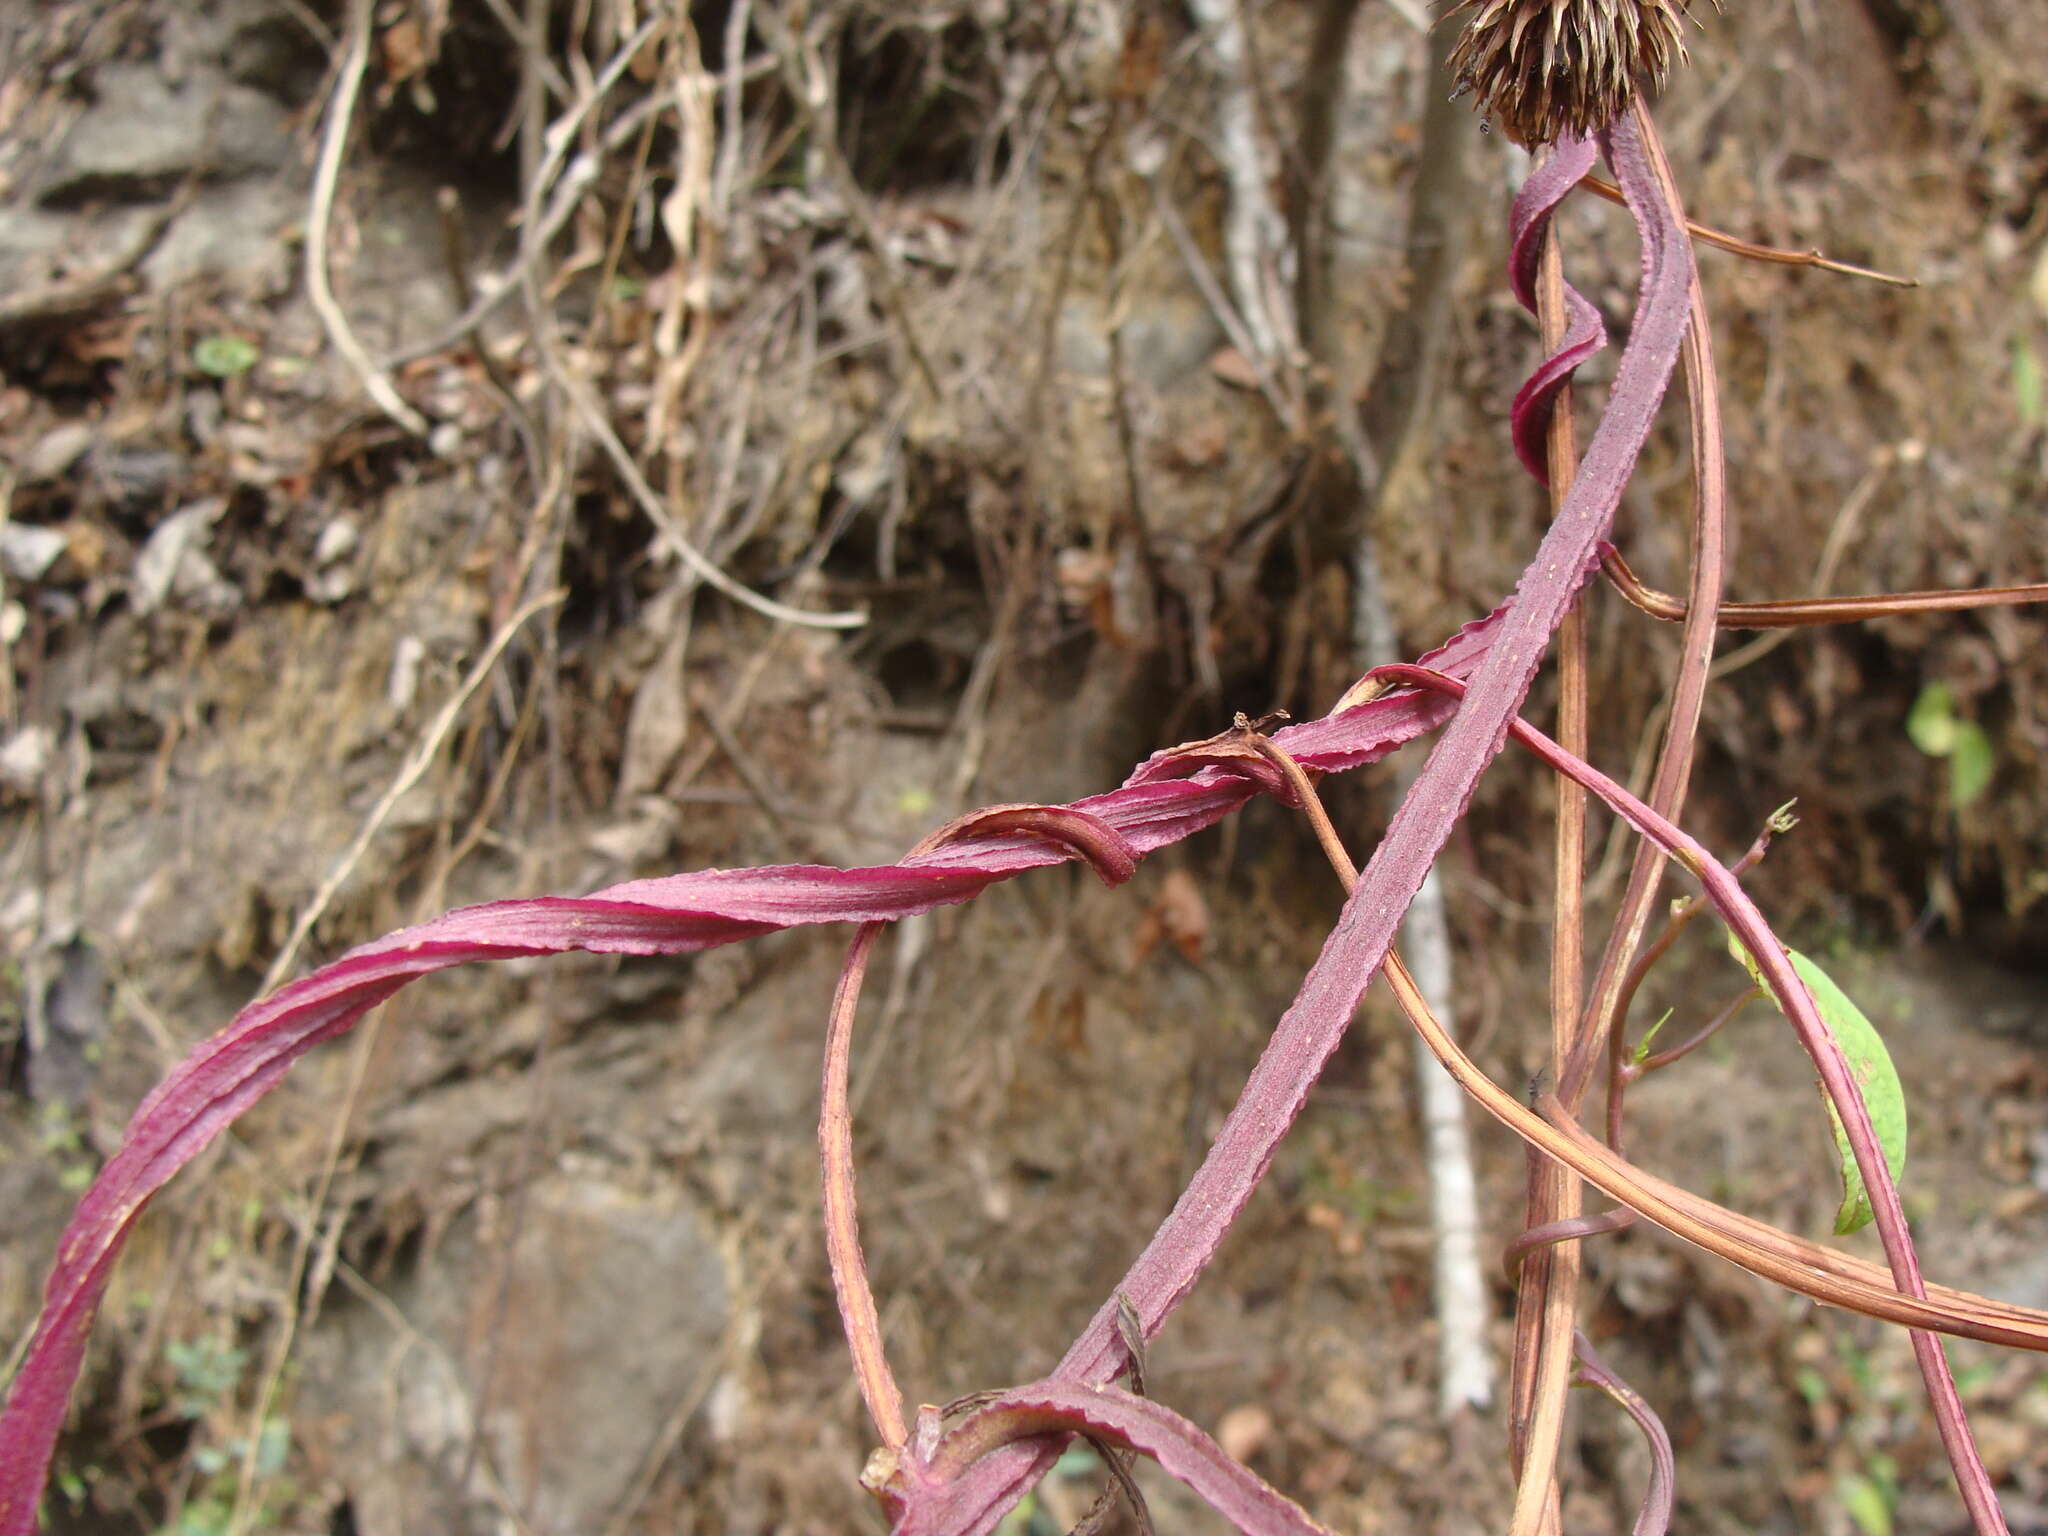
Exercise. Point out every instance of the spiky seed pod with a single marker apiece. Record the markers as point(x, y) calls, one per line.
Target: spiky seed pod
point(1545, 67)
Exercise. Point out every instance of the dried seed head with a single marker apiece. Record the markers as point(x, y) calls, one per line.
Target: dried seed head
point(1545, 67)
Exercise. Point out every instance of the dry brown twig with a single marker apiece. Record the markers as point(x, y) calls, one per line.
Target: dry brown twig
point(341, 109)
point(1764, 253)
point(590, 412)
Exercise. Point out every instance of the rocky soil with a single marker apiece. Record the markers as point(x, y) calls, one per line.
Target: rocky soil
point(911, 315)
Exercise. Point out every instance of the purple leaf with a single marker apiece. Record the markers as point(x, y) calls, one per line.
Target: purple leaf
point(226, 1074)
point(917, 1489)
point(1548, 185)
point(1315, 1022)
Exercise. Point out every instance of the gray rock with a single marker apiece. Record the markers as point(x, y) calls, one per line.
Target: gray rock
point(591, 1320)
point(143, 135)
point(57, 450)
point(28, 552)
point(24, 756)
point(173, 564)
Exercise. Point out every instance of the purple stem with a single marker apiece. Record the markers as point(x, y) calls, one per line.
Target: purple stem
point(1056, 1407)
point(1837, 1081)
point(1315, 1022)
point(1661, 1497)
point(227, 1073)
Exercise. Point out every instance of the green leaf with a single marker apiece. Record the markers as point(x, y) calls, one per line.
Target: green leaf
point(222, 356)
point(2026, 382)
point(1931, 723)
point(1870, 1064)
point(1970, 764)
point(1642, 1052)
point(1865, 1502)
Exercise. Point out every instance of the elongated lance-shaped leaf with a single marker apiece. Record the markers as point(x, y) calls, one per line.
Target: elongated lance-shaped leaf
point(1870, 1064)
point(674, 914)
point(1315, 1022)
point(1106, 1413)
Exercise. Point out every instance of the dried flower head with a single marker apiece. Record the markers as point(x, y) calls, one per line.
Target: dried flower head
point(1546, 67)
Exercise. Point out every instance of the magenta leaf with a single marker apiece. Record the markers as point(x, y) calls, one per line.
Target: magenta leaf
point(917, 1486)
point(1548, 185)
point(224, 1075)
point(676, 914)
point(1315, 1022)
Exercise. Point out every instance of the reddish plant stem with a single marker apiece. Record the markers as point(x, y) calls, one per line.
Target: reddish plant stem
point(1812, 611)
point(1696, 654)
point(1312, 1026)
point(1637, 1069)
point(1811, 1269)
point(1836, 1079)
point(1555, 1197)
point(1559, 1196)
point(1106, 1415)
point(857, 1313)
point(1682, 914)
point(1272, 1097)
point(1086, 837)
point(1532, 1240)
point(1661, 1496)
point(1771, 254)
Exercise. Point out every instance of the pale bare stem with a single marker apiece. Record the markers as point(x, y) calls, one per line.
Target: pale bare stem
point(1674, 764)
point(536, 230)
point(588, 408)
point(842, 1215)
point(424, 750)
point(1391, 447)
point(1225, 312)
point(341, 111)
point(1546, 1306)
point(555, 202)
point(1255, 236)
point(810, 78)
point(732, 133)
point(9, 718)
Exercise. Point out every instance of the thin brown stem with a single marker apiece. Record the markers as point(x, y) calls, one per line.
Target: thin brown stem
point(1804, 612)
point(856, 1295)
point(1700, 1037)
point(1546, 1307)
point(1674, 763)
point(1824, 1051)
point(1531, 1239)
point(1547, 1311)
point(1661, 1497)
point(1765, 253)
point(1619, 1073)
point(1112, 858)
